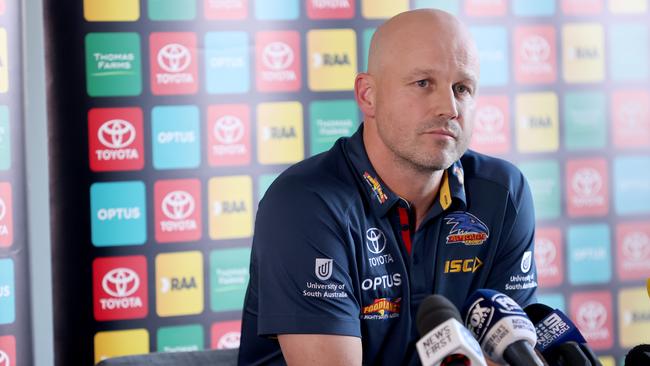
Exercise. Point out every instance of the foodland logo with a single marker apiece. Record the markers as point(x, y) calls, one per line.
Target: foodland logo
point(116, 134)
point(592, 318)
point(178, 205)
point(120, 283)
point(174, 58)
point(228, 130)
point(229, 340)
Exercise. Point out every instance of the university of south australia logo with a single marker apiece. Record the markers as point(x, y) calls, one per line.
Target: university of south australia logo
point(323, 268)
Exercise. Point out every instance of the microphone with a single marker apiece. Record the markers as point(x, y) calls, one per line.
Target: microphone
point(638, 356)
point(445, 341)
point(501, 327)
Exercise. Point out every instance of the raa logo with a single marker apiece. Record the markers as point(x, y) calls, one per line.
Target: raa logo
point(466, 228)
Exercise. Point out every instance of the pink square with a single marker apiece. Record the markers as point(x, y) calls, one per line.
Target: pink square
point(486, 8)
point(549, 257)
point(115, 140)
point(534, 54)
point(492, 125)
point(225, 335)
point(327, 9)
point(178, 210)
point(120, 288)
point(225, 9)
point(173, 63)
point(587, 187)
point(229, 135)
point(592, 313)
point(633, 250)
point(631, 118)
point(277, 61)
point(6, 216)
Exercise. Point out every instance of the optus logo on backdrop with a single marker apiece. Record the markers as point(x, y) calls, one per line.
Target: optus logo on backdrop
point(7, 292)
point(592, 313)
point(587, 187)
point(178, 210)
point(174, 67)
point(118, 213)
point(115, 140)
point(175, 136)
point(120, 288)
point(278, 61)
point(8, 351)
point(589, 248)
point(225, 335)
point(492, 125)
point(229, 135)
point(633, 250)
point(227, 62)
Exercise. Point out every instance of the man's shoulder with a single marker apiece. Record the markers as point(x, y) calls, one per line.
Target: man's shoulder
point(492, 169)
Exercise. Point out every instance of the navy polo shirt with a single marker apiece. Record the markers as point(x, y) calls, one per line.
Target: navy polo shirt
point(336, 252)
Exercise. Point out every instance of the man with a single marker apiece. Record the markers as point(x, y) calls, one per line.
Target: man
point(348, 243)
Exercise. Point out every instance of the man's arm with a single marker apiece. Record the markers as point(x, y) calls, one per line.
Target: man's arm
point(320, 349)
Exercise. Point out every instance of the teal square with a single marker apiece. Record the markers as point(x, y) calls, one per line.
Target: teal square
point(227, 63)
point(171, 9)
point(536, 8)
point(544, 179)
point(7, 292)
point(450, 6)
point(229, 275)
point(176, 137)
point(183, 338)
point(264, 182)
point(631, 188)
point(5, 139)
point(556, 301)
point(329, 120)
point(118, 214)
point(628, 51)
point(113, 64)
point(589, 254)
point(277, 9)
point(492, 43)
point(585, 118)
point(367, 38)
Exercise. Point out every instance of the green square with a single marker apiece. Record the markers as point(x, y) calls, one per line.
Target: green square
point(264, 183)
point(585, 118)
point(330, 120)
point(229, 274)
point(367, 37)
point(544, 179)
point(5, 139)
point(182, 338)
point(113, 64)
point(172, 9)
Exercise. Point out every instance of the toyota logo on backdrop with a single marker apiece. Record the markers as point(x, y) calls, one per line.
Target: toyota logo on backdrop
point(490, 119)
point(636, 246)
point(586, 182)
point(375, 240)
point(4, 359)
point(229, 340)
point(592, 316)
point(228, 130)
point(174, 57)
point(535, 49)
point(178, 205)
point(116, 133)
point(277, 56)
point(3, 209)
point(121, 282)
point(544, 252)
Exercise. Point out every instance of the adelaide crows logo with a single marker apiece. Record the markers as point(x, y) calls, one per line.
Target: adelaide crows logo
point(466, 228)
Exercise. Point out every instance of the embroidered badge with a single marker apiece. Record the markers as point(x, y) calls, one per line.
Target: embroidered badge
point(376, 187)
point(384, 308)
point(466, 228)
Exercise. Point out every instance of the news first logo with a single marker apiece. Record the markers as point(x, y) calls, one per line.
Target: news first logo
point(229, 135)
point(381, 309)
point(492, 125)
point(633, 250)
point(179, 283)
point(466, 229)
point(332, 59)
point(115, 139)
point(633, 316)
point(8, 351)
point(6, 215)
point(178, 210)
point(173, 63)
point(225, 335)
point(117, 343)
point(592, 313)
point(120, 288)
point(587, 187)
point(280, 136)
point(583, 52)
point(278, 61)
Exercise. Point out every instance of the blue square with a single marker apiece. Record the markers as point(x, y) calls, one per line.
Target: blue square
point(631, 188)
point(5, 139)
point(277, 9)
point(533, 8)
point(227, 62)
point(589, 254)
point(492, 43)
point(176, 137)
point(556, 301)
point(118, 214)
point(450, 6)
point(628, 52)
point(7, 291)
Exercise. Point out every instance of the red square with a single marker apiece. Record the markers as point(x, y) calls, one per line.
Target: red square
point(173, 63)
point(178, 210)
point(631, 116)
point(225, 335)
point(492, 125)
point(633, 250)
point(277, 61)
point(229, 135)
point(115, 139)
point(592, 314)
point(549, 257)
point(534, 54)
point(120, 288)
point(486, 8)
point(8, 351)
point(330, 9)
point(587, 187)
point(3, 7)
point(582, 7)
point(6, 216)
point(225, 9)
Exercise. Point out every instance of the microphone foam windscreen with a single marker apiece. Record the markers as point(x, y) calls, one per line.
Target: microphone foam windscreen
point(433, 311)
point(638, 356)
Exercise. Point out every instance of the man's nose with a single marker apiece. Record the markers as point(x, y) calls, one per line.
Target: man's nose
point(445, 103)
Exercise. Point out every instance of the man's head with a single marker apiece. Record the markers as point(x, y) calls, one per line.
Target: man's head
point(418, 96)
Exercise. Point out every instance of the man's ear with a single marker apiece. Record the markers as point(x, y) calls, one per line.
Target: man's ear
point(364, 93)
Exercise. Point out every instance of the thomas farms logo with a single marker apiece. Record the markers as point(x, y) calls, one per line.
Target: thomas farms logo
point(466, 228)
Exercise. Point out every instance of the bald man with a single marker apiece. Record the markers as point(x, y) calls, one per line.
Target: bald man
point(348, 243)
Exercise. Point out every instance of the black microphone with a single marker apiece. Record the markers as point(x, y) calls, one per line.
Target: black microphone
point(639, 355)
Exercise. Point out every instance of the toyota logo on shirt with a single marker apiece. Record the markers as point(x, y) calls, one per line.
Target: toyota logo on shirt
point(375, 240)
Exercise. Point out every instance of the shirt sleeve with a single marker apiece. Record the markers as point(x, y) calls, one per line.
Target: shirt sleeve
point(304, 259)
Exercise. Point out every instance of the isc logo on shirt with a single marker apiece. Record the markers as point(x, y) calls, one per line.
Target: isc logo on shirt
point(592, 312)
point(280, 133)
point(587, 187)
point(178, 210)
point(230, 201)
point(332, 59)
point(6, 216)
point(633, 316)
point(278, 61)
point(120, 288)
point(179, 283)
point(120, 343)
point(173, 63)
point(535, 54)
point(583, 53)
point(225, 335)
point(537, 122)
point(492, 125)
point(549, 257)
point(115, 140)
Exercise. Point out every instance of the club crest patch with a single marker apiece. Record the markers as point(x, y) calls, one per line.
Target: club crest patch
point(466, 228)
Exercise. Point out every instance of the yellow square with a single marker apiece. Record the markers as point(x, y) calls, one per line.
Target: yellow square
point(633, 317)
point(280, 137)
point(4, 62)
point(111, 10)
point(583, 55)
point(121, 343)
point(607, 360)
point(537, 122)
point(628, 6)
point(179, 283)
point(231, 207)
point(377, 9)
point(332, 59)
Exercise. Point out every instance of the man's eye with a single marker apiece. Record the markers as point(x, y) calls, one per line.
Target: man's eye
point(462, 89)
point(422, 83)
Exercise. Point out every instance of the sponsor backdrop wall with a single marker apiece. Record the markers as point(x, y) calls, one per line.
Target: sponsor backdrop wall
point(170, 118)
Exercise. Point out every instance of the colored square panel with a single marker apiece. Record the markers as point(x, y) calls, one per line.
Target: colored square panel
point(175, 135)
point(367, 39)
point(118, 213)
point(227, 62)
point(587, 187)
point(182, 338)
point(280, 133)
point(631, 188)
point(329, 120)
point(555, 301)
point(492, 43)
point(277, 9)
point(225, 9)
point(537, 124)
point(229, 135)
point(121, 343)
point(492, 125)
point(231, 207)
point(379, 9)
point(225, 335)
point(8, 347)
point(263, 184)
point(582, 7)
point(7, 291)
point(111, 11)
point(583, 52)
point(633, 250)
point(548, 257)
point(171, 9)
point(483, 8)
point(585, 120)
point(115, 139)
point(5, 139)
point(627, 6)
point(6, 216)
point(177, 210)
point(544, 179)
point(278, 61)
point(589, 252)
point(229, 278)
point(338, 9)
point(633, 317)
point(113, 64)
point(628, 55)
point(3, 7)
point(537, 8)
point(332, 55)
point(179, 283)
point(592, 313)
point(535, 55)
point(120, 288)
point(4, 62)
point(174, 68)
point(631, 118)
point(450, 6)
